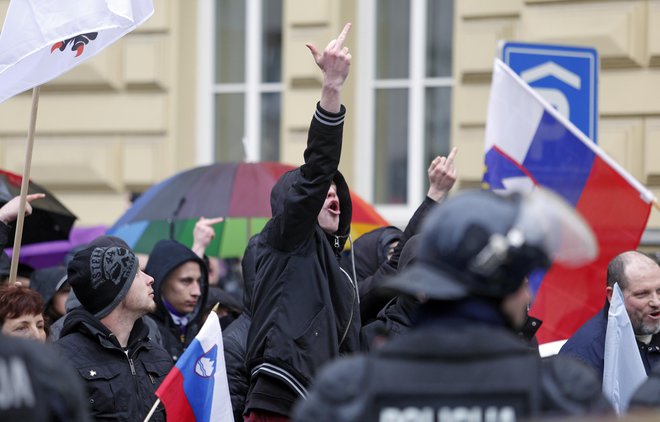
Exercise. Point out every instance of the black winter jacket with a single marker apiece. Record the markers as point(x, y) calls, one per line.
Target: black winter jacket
point(166, 256)
point(235, 336)
point(372, 298)
point(305, 307)
point(235, 339)
point(445, 369)
point(121, 385)
point(369, 252)
point(392, 321)
point(396, 316)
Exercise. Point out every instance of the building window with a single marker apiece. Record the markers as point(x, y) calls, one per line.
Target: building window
point(405, 99)
point(240, 80)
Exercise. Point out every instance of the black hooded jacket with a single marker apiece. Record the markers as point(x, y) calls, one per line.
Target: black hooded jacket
point(372, 269)
point(396, 316)
point(459, 362)
point(166, 256)
point(370, 251)
point(371, 265)
point(305, 307)
point(121, 385)
point(235, 337)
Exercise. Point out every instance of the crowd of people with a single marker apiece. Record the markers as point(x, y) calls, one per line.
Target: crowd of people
point(425, 324)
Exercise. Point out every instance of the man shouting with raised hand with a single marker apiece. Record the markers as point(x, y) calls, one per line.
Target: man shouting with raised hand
point(305, 307)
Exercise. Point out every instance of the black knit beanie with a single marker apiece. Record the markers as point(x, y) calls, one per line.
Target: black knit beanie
point(102, 273)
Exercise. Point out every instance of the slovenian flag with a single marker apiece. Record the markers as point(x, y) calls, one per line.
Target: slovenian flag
point(529, 143)
point(196, 388)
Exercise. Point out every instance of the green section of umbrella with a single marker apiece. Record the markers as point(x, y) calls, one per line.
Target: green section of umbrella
point(257, 225)
point(155, 231)
point(184, 231)
point(234, 237)
point(231, 235)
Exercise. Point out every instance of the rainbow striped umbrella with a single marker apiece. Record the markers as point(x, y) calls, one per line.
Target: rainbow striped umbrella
point(239, 192)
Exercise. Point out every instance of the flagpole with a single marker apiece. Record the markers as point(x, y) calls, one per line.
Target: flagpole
point(153, 409)
point(24, 185)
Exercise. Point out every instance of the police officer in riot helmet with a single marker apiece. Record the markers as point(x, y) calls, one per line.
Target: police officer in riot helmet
point(461, 360)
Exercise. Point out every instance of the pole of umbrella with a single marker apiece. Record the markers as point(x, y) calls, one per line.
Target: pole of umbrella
point(24, 185)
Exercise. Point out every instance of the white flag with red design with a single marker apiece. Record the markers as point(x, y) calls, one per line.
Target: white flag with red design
point(41, 39)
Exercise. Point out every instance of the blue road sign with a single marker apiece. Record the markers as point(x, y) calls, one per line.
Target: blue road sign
point(565, 76)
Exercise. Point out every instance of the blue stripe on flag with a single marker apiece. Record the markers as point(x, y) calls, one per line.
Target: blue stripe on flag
point(198, 382)
point(499, 168)
point(558, 159)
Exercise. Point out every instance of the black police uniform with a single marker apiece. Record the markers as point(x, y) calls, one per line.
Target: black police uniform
point(461, 359)
point(450, 370)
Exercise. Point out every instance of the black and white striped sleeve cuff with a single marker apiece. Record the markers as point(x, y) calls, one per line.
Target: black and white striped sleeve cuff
point(330, 119)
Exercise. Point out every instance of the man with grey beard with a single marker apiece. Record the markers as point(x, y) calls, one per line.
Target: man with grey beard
point(639, 279)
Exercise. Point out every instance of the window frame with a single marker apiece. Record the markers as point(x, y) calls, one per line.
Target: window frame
point(417, 83)
point(253, 88)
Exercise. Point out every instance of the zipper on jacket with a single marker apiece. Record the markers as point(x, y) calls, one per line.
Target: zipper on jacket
point(130, 362)
point(350, 319)
point(356, 291)
point(151, 379)
point(336, 242)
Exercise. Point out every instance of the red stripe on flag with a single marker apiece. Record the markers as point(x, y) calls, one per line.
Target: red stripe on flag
point(617, 214)
point(171, 393)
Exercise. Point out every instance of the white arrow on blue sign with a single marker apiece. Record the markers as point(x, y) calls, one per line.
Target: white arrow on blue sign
point(566, 76)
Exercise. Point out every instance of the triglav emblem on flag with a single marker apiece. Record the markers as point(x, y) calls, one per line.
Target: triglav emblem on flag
point(37, 34)
point(205, 366)
point(529, 143)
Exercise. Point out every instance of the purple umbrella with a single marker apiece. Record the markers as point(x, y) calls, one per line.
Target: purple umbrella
point(48, 254)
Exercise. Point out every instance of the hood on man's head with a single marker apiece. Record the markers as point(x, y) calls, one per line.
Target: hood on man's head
point(164, 258)
point(345, 207)
point(283, 187)
point(409, 251)
point(370, 250)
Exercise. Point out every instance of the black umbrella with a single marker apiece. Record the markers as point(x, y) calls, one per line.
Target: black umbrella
point(50, 220)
